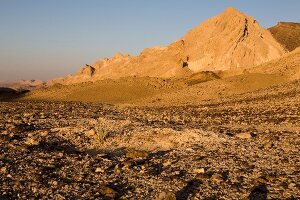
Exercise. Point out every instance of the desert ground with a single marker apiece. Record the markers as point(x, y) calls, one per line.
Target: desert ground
point(238, 147)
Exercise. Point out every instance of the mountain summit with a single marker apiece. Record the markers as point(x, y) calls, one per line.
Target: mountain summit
point(230, 40)
point(227, 41)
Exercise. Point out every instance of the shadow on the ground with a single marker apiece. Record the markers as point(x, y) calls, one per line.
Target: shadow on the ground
point(9, 94)
point(259, 193)
point(189, 190)
point(57, 145)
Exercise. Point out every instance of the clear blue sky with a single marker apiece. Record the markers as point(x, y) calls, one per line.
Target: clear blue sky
point(43, 39)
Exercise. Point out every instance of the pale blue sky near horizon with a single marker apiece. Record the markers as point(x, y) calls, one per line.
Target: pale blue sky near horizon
point(44, 39)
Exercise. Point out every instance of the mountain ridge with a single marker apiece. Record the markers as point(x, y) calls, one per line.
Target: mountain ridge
point(227, 41)
point(287, 34)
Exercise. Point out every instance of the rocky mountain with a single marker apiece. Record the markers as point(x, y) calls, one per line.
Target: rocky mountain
point(287, 34)
point(228, 41)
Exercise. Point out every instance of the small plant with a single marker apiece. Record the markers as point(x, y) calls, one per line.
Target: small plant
point(102, 134)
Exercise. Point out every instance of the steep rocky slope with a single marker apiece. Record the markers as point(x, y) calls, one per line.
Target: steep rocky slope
point(228, 41)
point(287, 34)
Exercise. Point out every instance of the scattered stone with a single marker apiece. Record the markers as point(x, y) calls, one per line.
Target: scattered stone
point(166, 196)
point(31, 142)
point(267, 131)
point(5, 133)
point(261, 180)
point(42, 115)
point(90, 133)
point(137, 154)
point(54, 183)
point(34, 189)
point(3, 170)
point(59, 197)
point(117, 169)
point(128, 163)
point(99, 170)
point(27, 115)
point(291, 186)
point(199, 171)
point(268, 145)
point(217, 178)
point(44, 133)
point(244, 135)
point(108, 192)
point(189, 149)
point(167, 163)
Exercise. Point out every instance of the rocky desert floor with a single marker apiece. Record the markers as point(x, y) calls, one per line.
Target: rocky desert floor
point(241, 147)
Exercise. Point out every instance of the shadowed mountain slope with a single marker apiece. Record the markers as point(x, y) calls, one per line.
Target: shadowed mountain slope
point(287, 34)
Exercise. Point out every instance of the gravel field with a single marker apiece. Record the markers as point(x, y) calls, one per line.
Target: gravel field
point(245, 147)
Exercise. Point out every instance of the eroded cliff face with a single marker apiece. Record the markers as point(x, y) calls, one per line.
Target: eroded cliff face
point(228, 41)
point(155, 62)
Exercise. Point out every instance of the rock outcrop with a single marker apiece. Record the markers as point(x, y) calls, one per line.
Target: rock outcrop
point(230, 40)
point(87, 71)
